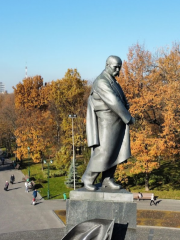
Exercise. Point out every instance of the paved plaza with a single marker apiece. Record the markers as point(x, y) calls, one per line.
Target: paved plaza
point(19, 220)
point(17, 213)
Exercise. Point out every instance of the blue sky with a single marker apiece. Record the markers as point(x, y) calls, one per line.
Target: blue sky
point(52, 36)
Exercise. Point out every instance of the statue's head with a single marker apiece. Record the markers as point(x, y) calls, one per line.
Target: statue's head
point(113, 65)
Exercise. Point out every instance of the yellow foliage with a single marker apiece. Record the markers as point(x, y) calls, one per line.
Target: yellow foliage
point(35, 124)
point(152, 87)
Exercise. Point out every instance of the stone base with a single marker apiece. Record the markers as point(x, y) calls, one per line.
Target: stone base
point(85, 205)
point(102, 194)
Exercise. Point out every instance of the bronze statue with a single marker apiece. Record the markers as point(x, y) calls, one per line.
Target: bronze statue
point(107, 127)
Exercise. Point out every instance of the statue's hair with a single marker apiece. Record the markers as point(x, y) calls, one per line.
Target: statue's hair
point(111, 58)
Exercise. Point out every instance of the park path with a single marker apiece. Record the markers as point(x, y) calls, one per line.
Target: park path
point(19, 220)
point(162, 205)
point(16, 211)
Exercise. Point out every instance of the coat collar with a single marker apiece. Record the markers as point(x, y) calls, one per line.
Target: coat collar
point(116, 86)
point(109, 77)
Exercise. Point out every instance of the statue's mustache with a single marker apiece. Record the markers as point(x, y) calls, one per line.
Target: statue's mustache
point(116, 73)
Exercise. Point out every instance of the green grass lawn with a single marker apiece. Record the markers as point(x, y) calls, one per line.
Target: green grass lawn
point(164, 182)
point(56, 184)
point(57, 188)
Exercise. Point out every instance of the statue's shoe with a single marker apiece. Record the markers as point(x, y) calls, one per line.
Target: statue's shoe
point(90, 187)
point(88, 180)
point(109, 183)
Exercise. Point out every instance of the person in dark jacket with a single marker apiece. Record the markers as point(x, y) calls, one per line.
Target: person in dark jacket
point(2, 159)
point(12, 179)
point(107, 127)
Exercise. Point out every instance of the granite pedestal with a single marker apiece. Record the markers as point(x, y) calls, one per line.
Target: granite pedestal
point(109, 204)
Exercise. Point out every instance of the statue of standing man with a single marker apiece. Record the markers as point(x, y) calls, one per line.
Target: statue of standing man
point(107, 127)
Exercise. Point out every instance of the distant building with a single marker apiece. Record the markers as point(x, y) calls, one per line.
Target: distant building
point(2, 90)
point(2, 87)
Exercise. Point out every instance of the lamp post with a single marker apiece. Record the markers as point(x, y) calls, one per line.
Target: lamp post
point(48, 192)
point(72, 116)
point(28, 161)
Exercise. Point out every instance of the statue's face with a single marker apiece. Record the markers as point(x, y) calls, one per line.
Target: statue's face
point(113, 67)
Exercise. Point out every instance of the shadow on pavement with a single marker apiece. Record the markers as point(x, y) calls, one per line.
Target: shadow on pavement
point(19, 182)
point(6, 166)
point(157, 202)
point(13, 188)
point(55, 196)
point(38, 203)
point(51, 197)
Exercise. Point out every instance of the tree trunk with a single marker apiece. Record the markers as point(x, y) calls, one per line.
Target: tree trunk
point(147, 182)
point(58, 135)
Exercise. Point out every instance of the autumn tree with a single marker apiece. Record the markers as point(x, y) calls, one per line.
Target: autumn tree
point(147, 81)
point(168, 75)
point(7, 121)
point(68, 96)
point(34, 122)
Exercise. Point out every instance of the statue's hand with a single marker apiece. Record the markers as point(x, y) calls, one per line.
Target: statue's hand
point(133, 120)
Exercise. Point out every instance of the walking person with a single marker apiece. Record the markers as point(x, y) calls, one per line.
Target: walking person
point(139, 196)
point(152, 200)
point(35, 194)
point(6, 186)
point(2, 159)
point(26, 186)
point(12, 179)
point(64, 196)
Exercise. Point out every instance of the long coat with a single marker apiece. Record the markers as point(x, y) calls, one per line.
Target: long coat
point(107, 124)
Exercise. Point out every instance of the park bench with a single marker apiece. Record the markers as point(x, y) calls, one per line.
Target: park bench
point(145, 196)
point(17, 166)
